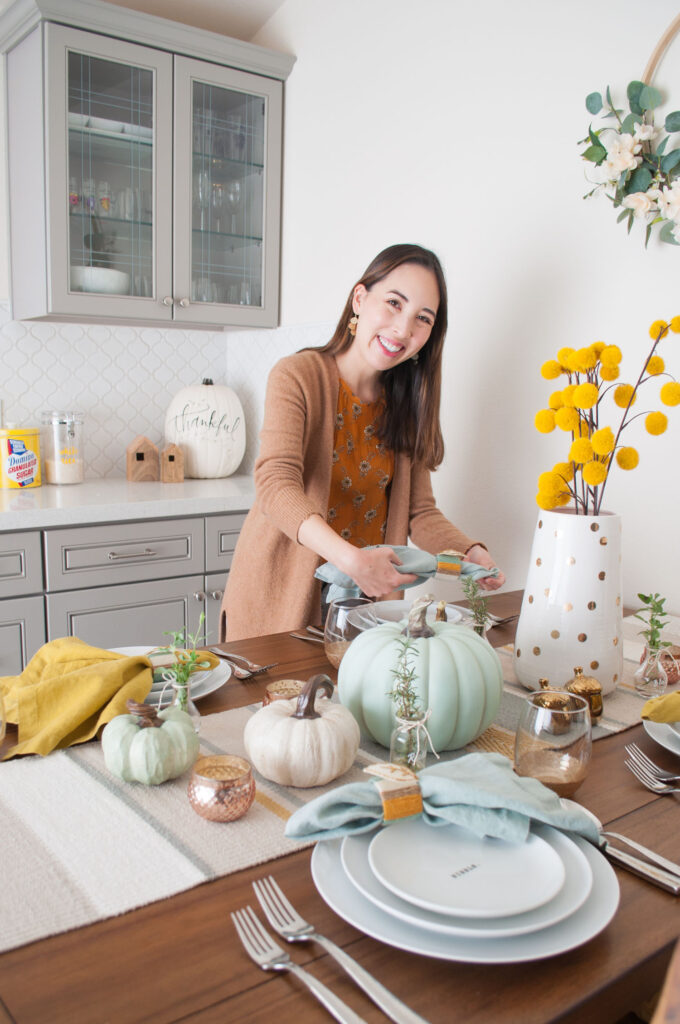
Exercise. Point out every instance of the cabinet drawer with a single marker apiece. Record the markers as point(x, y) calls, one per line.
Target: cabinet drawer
point(127, 616)
point(221, 534)
point(95, 556)
point(20, 564)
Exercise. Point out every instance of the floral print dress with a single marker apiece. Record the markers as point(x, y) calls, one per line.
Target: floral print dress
point(362, 470)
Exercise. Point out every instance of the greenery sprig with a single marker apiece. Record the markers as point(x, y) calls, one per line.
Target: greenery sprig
point(654, 609)
point(187, 658)
point(478, 603)
point(403, 693)
point(633, 168)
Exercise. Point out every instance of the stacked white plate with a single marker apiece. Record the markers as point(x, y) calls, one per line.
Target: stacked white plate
point(202, 683)
point(443, 892)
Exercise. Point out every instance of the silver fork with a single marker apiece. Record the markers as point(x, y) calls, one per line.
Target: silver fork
point(284, 919)
point(261, 948)
point(641, 758)
point(251, 667)
point(648, 780)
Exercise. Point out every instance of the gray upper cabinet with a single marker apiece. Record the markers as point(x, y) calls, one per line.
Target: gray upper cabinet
point(144, 177)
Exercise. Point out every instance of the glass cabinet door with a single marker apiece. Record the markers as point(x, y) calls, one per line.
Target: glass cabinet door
point(227, 226)
point(114, 222)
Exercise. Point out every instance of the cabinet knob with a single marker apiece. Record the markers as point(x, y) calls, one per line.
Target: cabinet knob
point(199, 596)
point(168, 300)
point(184, 303)
point(217, 595)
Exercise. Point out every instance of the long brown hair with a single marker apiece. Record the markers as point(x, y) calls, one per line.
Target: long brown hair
point(412, 391)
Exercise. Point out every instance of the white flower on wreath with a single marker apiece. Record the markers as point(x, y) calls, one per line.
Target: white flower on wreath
point(644, 132)
point(668, 200)
point(640, 203)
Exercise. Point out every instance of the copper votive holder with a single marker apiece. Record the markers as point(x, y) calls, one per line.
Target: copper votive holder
point(282, 689)
point(221, 787)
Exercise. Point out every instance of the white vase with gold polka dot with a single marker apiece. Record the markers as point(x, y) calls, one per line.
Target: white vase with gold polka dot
point(572, 611)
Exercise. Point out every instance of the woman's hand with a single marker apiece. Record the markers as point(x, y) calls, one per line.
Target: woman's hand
point(481, 556)
point(373, 570)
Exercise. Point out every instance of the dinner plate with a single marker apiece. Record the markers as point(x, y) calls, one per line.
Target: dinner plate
point(465, 875)
point(663, 734)
point(344, 898)
point(572, 895)
point(379, 612)
point(202, 683)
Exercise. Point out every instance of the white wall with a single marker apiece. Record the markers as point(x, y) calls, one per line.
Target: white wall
point(456, 125)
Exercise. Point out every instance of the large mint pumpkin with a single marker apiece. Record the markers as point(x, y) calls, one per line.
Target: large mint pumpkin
point(458, 678)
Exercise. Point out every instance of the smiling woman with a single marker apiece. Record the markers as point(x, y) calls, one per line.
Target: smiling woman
point(350, 435)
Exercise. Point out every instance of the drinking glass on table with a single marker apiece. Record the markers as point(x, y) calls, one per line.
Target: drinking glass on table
point(553, 742)
point(341, 627)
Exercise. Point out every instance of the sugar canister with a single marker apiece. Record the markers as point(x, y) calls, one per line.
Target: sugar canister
point(63, 447)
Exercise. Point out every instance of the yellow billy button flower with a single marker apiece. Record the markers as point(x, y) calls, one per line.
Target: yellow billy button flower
point(581, 451)
point(564, 469)
point(585, 359)
point(656, 422)
point(594, 473)
point(551, 483)
point(597, 347)
point(585, 396)
point(609, 372)
point(675, 324)
point(624, 394)
point(568, 394)
point(544, 420)
point(551, 369)
point(611, 355)
point(655, 365)
point(583, 429)
point(546, 501)
point(567, 419)
point(564, 354)
point(556, 401)
point(627, 458)
point(670, 393)
point(658, 329)
point(603, 441)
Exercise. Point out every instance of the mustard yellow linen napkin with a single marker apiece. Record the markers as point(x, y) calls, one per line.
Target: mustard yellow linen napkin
point(662, 709)
point(68, 691)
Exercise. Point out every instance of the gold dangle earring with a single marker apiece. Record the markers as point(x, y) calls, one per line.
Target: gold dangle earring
point(352, 325)
point(414, 359)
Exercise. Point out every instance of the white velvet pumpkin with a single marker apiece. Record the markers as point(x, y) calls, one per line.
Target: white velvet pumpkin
point(207, 422)
point(458, 678)
point(302, 751)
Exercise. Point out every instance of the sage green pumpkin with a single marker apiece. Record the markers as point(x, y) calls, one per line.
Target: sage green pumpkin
point(458, 678)
point(149, 754)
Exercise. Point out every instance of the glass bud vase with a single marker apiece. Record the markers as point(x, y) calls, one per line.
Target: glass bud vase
point(409, 743)
point(184, 702)
point(651, 679)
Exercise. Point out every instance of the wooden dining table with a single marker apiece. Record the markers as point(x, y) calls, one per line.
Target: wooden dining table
point(179, 959)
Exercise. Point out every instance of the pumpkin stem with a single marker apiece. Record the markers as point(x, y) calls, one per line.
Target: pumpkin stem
point(305, 702)
point(145, 714)
point(441, 612)
point(416, 625)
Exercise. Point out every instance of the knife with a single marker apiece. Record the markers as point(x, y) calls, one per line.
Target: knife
point(657, 876)
point(656, 858)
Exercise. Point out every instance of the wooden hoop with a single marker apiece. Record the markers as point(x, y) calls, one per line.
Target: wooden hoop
point(661, 46)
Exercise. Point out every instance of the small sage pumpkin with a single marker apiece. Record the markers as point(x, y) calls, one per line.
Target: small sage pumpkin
point(295, 743)
point(458, 678)
point(148, 746)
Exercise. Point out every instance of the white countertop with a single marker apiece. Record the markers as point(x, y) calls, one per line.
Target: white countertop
point(100, 501)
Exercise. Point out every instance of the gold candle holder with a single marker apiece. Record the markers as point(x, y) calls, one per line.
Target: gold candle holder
point(221, 787)
point(282, 689)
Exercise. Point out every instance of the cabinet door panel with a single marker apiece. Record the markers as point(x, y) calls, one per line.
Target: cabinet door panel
point(227, 239)
point(22, 632)
point(20, 564)
point(126, 616)
point(221, 534)
point(109, 144)
point(214, 592)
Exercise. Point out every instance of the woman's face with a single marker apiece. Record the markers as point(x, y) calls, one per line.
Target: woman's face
point(396, 316)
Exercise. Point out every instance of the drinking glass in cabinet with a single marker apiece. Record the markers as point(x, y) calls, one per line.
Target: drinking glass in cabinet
point(233, 196)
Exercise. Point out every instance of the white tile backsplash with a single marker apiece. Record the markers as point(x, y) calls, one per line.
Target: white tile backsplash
point(123, 378)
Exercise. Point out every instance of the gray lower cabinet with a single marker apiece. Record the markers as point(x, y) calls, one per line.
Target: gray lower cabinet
point(214, 592)
point(22, 632)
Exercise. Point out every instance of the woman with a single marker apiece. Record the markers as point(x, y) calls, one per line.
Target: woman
point(350, 435)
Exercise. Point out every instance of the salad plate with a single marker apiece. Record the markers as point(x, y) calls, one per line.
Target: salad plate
point(202, 683)
point(572, 895)
point(336, 889)
point(467, 875)
point(379, 612)
point(665, 734)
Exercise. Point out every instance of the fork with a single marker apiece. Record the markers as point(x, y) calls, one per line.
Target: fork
point(641, 758)
point(285, 920)
point(261, 948)
point(251, 667)
point(648, 780)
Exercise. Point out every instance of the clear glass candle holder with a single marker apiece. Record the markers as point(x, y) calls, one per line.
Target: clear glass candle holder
point(553, 742)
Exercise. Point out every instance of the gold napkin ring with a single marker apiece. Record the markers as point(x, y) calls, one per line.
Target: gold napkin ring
point(399, 790)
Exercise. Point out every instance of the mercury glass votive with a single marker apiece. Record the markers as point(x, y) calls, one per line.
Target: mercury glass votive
point(221, 787)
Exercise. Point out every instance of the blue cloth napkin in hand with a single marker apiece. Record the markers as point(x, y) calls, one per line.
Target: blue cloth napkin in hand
point(413, 560)
point(477, 791)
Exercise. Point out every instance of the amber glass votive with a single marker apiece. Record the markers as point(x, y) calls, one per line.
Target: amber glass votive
point(221, 787)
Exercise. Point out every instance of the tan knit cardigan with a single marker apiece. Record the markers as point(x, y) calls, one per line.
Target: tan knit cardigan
point(271, 585)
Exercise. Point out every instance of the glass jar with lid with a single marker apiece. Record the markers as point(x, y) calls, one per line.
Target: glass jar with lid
point(63, 447)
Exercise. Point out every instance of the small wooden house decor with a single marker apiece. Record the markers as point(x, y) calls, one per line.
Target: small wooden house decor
point(172, 465)
point(142, 461)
